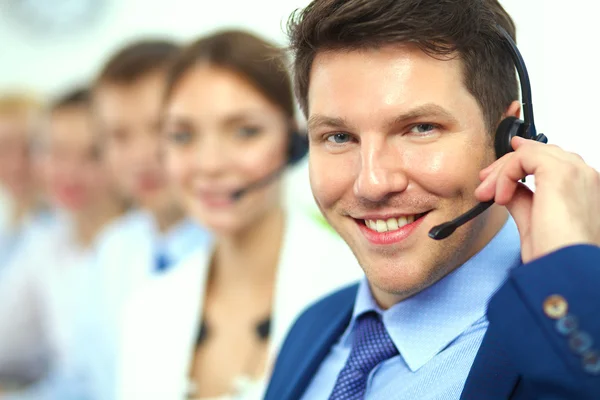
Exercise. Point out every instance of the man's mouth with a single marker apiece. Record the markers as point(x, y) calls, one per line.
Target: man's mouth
point(391, 224)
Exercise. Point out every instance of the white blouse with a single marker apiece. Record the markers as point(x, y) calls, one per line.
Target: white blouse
point(160, 328)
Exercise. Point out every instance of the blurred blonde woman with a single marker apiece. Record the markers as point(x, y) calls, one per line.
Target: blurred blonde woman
point(211, 328)
point(43, 304)
point(20, 116)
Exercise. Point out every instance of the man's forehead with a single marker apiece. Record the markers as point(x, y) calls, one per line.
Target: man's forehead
point(404, 80)
point(149, 85)
point(392, 54)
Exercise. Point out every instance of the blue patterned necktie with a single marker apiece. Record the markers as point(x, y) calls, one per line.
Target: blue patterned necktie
point(371, 345)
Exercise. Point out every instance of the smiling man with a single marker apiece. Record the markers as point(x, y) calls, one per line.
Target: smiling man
point(403, 100)
point(406, 156)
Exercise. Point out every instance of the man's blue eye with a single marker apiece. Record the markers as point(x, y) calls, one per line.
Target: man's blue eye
point(422, 128)
point(338, 138)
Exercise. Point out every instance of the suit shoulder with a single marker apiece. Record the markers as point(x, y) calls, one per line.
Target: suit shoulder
point(339, 298)
point(310, 338)
point(320, 313)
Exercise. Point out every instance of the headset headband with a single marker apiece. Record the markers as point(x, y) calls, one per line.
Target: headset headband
point(525, 83)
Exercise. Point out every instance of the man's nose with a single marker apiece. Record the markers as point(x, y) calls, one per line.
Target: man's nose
point(382, 172)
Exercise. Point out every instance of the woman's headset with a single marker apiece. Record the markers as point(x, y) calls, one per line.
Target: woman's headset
point(296, 151)
point(297, 148)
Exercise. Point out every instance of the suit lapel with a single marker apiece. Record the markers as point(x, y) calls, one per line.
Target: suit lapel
point(492, 376)
point(327, 327)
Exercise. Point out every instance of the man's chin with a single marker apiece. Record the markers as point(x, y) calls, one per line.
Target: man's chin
point(396, 278)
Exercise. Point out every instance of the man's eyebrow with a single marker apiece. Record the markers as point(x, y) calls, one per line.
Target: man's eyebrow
point(424, 111)
point(317, 120)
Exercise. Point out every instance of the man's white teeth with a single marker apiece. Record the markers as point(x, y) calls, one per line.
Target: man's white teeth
point(391, 224)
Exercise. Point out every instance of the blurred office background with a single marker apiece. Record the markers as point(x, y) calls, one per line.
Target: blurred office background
point(49, 46)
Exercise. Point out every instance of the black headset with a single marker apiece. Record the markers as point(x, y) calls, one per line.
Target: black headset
point(296, 151)
point(507, 129)
point(512, 126)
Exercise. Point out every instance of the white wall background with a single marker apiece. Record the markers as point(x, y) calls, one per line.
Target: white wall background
point(49, 62)
point(558, 39)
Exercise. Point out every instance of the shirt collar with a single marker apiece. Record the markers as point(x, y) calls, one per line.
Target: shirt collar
point(181, 239)
point(423, 325)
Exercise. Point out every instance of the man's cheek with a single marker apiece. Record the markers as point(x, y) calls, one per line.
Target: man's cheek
point(444, 174)
point(328, 194)
point(319, 192)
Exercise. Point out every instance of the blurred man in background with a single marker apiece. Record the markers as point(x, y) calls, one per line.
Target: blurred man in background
point(155, 235)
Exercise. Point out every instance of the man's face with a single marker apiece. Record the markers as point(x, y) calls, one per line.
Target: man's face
point(397, 143)
point(128, 117)
point(77, 177)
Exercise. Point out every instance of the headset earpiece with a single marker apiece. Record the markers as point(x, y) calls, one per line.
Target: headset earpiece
point(508, 129)
point(298, 147)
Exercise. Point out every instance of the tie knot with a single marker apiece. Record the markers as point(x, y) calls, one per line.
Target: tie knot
point(371, 344)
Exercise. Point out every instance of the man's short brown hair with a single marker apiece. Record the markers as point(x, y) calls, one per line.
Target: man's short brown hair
point(76, 97)
point(441, 28)
point(136, 60)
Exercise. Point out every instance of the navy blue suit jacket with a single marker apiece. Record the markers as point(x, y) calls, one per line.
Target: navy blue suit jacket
point(524, 354)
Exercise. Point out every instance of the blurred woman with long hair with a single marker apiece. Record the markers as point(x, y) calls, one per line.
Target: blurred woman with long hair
point(212, 327)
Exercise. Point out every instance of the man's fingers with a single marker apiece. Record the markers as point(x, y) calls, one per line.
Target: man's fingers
point(505, 188)
point(486, 189)
point(520, 208)
point(500, 179)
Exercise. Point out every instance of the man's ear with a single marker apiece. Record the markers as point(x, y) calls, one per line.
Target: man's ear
point(514, 110)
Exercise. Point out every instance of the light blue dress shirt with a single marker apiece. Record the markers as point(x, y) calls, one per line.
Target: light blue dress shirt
point(437, 332)
point(178, 243)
